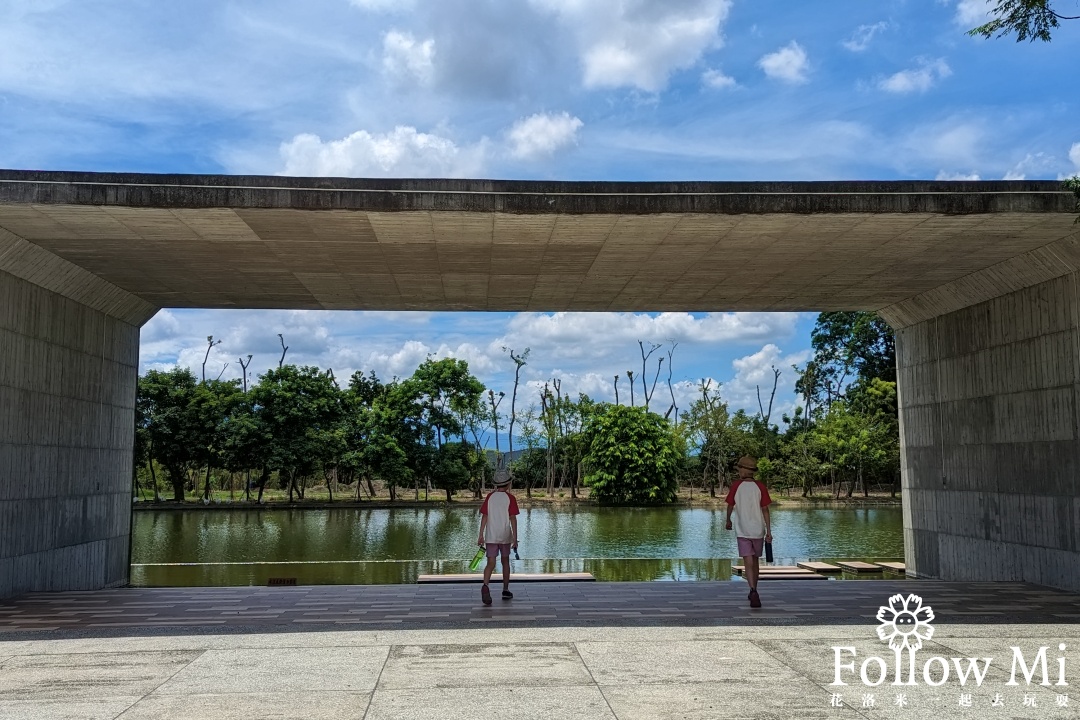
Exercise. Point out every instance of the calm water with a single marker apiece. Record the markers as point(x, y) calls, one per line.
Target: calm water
point(352, 545)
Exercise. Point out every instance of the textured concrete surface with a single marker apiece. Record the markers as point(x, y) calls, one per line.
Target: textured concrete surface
point(609, 671)
point(271, 242)
point(67, 393)
point(991, 441)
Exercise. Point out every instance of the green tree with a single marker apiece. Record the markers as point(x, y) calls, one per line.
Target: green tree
point(632, 458)
point(170, 424)
point(213, 404)
point(848, 346)
point(449, 394)
point(1029, 19)
point(706, 425)
point(299, 409)
point(246, 445)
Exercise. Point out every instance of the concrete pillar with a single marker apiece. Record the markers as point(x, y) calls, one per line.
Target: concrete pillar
point(990, 433)
point(69, 346)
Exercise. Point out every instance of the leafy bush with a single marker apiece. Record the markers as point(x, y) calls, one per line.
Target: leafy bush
point(632, 458)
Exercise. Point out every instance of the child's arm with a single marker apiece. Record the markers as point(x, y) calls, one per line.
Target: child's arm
point(513, 529)
point(483, 526)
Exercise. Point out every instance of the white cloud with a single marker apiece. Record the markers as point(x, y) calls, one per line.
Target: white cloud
point(1038, 164)
point(601, 387)
point(638, 43)
point(717, 80)
point(754, 372)
point(918, 79)
point(405, 59)
point(789, 64)
point(970, 13)
point(404, 152)
point(589, 335)
point(860, 39)
point(543, 134)
point(401, 362)
point(942, 175)
point(383, 5)
point(952, 142)
point(1074, 155)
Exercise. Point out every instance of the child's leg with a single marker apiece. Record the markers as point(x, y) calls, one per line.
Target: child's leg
point(506, 568)
point(750, 570)
point(489, 568)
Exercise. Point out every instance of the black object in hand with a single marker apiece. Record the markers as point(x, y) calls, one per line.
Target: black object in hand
point(516, 556)
point(768, 552)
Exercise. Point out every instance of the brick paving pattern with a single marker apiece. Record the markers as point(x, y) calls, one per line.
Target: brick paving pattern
point(645, 603)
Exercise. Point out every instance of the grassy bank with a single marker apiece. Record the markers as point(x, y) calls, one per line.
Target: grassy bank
point(318, 498)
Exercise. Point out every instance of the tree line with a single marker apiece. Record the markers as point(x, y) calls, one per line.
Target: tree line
point(297, 428)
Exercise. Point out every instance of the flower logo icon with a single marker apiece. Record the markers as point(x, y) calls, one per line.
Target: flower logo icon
point(905, 622)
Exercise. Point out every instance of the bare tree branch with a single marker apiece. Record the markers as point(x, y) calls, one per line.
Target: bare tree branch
point(644, 357)
point(210, 343)
point(244, 365)
point(284, 349)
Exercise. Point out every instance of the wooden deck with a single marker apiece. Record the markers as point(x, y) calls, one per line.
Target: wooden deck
point(560, 604)
point(514, 578)
point(781, 572)
point(819, 567)
point(896, 567)
point(857, 566)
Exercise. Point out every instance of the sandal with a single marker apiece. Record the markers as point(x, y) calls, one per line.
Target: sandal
point(485, 594)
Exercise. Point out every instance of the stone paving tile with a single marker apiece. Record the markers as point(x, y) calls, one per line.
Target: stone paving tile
point(279, 670)
point(517, 703)
point(104, 708)
point(470, 666)
point(296, 705)
point(793, 698)
point(83, 677)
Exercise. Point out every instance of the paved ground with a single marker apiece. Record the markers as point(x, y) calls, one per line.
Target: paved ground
point(618, 650)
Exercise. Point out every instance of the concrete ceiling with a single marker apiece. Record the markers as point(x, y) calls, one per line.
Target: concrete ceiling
point(269, 242)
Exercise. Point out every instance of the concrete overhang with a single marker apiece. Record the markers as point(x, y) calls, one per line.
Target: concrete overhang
point(909, 250)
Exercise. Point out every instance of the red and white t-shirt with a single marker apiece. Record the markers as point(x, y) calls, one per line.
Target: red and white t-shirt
point(748, 497)
point(498, 507)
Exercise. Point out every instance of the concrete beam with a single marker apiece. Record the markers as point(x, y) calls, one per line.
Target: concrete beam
point(990, 433)
point(68, 370)
point(273, 242)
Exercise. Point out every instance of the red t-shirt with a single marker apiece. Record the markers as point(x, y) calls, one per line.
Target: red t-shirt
point(499, 506)
point(747, 497)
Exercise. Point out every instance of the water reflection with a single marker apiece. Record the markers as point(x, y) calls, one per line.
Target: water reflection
point(358, 546)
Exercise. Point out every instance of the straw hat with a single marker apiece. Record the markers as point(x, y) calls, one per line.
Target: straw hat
point(502, 478)
point(749, 462)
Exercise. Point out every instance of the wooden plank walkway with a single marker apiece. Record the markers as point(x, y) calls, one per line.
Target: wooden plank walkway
point(555, 604)
point(857, 566)
point(781, 572)
point(897, 567)
point(514, 578)
point(819, 567)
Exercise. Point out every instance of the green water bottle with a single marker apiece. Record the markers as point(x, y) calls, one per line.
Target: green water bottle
point(475, 562)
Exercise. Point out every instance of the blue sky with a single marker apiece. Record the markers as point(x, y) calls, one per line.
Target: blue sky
point(529, 89)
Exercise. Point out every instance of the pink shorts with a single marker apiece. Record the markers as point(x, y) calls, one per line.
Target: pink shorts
point(494, 549)
point(748, 547)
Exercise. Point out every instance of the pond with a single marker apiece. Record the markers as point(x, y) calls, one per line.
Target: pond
point(376, 546)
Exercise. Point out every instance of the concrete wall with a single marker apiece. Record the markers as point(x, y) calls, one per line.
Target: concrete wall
point(68, 370)
point(989, 412)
